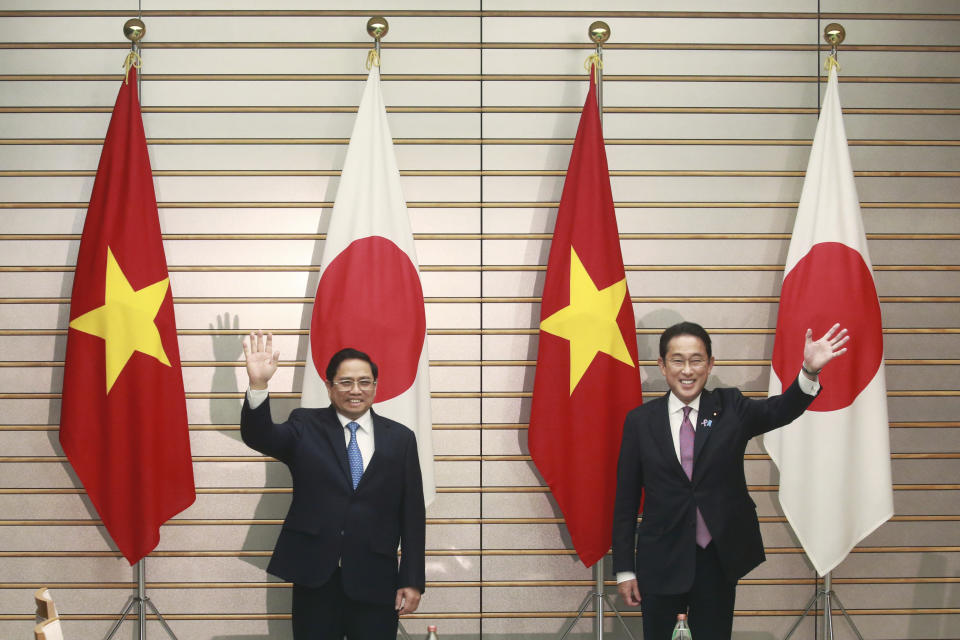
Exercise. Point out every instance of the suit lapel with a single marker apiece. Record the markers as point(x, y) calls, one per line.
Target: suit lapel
point(663, 436)
point(333, 431)
point(704, 426)
point(380, 437)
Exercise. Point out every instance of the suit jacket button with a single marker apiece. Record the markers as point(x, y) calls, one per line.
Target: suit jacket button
point(342, 531)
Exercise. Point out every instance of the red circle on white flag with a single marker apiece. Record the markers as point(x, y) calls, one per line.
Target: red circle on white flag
point(832, 283)
point(370, 298)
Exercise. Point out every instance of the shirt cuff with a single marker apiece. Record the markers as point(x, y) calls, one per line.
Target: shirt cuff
point(256, 397)
point(623, 576)
point(808, 386)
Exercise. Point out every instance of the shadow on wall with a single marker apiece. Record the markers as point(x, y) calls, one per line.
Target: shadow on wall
point(261, 538)
point(530, 372)
point(228, 347)
point(277, 602)
point(931, 596)
point(313, 280)
point(648, 347)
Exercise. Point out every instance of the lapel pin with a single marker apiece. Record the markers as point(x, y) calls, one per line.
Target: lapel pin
point(706, 423)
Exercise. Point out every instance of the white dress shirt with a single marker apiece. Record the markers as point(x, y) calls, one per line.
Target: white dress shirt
point(675, 413)
point(256, 397)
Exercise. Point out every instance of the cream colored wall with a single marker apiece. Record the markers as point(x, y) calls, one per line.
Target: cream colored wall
point(247, 107)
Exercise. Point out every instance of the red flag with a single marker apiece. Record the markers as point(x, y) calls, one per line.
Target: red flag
point(123, 422)
point(587, 377)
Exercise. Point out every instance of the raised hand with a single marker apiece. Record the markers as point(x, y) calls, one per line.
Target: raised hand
point(816, 354)
point(261, 359)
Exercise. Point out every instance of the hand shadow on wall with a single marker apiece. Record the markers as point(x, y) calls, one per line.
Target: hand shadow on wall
point(261, 538)
point(228, 347)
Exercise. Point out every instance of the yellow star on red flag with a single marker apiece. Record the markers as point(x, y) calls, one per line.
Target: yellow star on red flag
point(580, 396)
point(589, 322)
point(126, 320)
point(130, 445)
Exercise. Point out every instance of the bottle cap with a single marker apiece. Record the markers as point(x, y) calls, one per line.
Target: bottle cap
point(681, 616)
point(432, 627)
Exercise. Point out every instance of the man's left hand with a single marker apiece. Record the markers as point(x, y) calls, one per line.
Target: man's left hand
point(408, 599)
point(816, 354)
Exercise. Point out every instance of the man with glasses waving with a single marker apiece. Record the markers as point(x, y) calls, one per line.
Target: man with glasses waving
point(699, 533)
point(357, 495)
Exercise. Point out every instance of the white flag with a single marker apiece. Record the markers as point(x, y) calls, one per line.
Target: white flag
point(834, 461)
point(369, 296)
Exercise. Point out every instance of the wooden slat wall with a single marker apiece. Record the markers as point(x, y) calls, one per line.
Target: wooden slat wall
point(248, 106)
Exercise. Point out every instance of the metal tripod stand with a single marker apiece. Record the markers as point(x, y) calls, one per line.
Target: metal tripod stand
point(826, 595)
point(599, 597)
point(141, 601)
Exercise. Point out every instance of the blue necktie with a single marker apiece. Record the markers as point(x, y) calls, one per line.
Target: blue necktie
point(353, 455)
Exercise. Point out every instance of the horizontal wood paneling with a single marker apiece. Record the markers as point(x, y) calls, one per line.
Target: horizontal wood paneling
point(248, 107)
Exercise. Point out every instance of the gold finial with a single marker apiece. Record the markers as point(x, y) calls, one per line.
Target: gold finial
point(599, 32)
point(134, 30)
point(377, 27)
point(834, 34)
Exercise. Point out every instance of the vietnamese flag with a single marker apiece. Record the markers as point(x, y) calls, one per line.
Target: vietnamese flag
point(123, 422)
point(834, 460)
point(587, 377)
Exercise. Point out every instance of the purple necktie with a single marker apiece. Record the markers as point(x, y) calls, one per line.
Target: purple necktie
point(686, 461)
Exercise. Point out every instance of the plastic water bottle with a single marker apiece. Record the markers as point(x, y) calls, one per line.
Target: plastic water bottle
point(681, 631)
point(432, 632)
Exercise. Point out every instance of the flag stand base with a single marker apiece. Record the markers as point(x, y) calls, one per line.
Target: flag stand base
point(141, 601)
point(599, 597)
point(826, 595)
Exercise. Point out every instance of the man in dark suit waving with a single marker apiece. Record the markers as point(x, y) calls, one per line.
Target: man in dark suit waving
point(357, 494)
point(700, 532)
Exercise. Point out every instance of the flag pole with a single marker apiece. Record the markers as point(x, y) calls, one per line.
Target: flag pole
point(827, 595)
point(134, 29)
point(377, 27)
point(599, 33)
point(141, 601)
point(824, 597)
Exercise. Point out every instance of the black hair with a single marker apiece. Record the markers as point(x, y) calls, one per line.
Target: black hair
point(684, 329)
point(349, 354)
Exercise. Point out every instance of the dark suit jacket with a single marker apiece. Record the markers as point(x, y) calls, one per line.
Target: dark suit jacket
point(664, 555)
point(328, 522)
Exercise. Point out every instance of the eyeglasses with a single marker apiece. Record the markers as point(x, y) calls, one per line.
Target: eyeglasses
point(346, 384)
point(695, 363)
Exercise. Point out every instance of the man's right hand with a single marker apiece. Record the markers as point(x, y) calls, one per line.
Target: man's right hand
point(261, 359)
point(629, 592)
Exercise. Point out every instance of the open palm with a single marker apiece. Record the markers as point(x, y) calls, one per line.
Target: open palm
point(817, 353)
point(261, 358)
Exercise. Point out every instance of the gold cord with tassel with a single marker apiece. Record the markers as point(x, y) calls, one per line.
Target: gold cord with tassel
point(132, 60)
point(594, 62)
